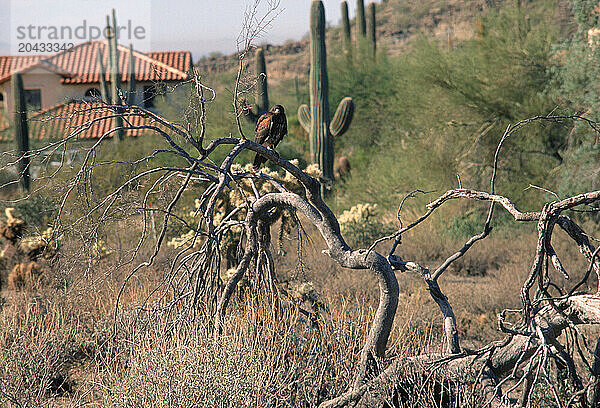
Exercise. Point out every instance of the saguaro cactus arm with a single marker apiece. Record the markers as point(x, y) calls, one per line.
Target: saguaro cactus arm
point(346, 34)
point(21, 128)
point(342, 118)
point(361, 24)
point(372, 28)
point(340, 122)
point(304, 117)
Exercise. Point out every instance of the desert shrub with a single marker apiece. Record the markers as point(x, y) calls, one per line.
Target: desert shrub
point(8, 180)
point(376, 88)
point(306, 293)
point(42, 339)
point(465, 224)
point(575, 73)
point(436, 112)
point(129, 161)
point(37, 211)
point(259, 362)
point(437, 389)
point(264, 358)
point(476, 264)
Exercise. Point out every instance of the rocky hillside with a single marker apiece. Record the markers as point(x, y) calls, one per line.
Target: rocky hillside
point(398, 21)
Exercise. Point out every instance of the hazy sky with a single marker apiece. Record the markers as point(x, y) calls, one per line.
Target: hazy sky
point(201, 26)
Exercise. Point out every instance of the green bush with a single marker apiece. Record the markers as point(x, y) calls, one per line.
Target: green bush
point(361, 225)
point(435, 112)
point(37, 211)
point(575, 77)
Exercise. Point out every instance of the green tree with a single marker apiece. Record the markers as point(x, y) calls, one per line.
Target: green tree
point(576, 73)
point(436, 112)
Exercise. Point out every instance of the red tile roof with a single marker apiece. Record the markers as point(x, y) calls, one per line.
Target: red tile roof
point(79, 65)
point(10, 64)
point(83, 118)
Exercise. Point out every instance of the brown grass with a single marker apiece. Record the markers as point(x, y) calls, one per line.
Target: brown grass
point(57, 346)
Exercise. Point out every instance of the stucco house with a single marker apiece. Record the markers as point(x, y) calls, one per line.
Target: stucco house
point(60, 81)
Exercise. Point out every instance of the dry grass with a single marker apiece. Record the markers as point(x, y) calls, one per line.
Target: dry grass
point(57, 346)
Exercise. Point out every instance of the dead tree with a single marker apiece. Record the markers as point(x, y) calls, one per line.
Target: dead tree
point(194, 283)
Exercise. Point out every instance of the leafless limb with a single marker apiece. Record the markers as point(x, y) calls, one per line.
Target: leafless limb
point(253, 27)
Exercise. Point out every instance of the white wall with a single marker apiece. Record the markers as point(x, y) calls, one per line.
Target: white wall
point(54, 92)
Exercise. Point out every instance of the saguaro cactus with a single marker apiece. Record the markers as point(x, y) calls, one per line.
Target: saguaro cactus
point(104, 91)
point(372, 28)
point(131, 87)
point(346, 35)
point(315, 120)
point(115, 75)
point(21, 129)
point(297, 89)
point(361, 24)
point(262, 89)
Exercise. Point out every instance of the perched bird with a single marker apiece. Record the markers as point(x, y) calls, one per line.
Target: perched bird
point(270, 129)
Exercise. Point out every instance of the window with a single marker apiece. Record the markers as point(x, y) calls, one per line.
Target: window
point(93, 94)
point(33, 99)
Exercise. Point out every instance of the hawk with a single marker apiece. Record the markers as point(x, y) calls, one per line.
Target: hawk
point(270, 129)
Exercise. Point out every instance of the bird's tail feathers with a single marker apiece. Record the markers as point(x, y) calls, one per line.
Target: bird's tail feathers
point(258, 161)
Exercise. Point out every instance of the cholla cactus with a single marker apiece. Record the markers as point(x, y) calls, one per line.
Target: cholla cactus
point(358, 213)
point(25, 275)
point(100, 250)
point(305, 292)
point(44, 244)
point(360, 226)
point(242, 190)
point(23, 257)
point(14, 227)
